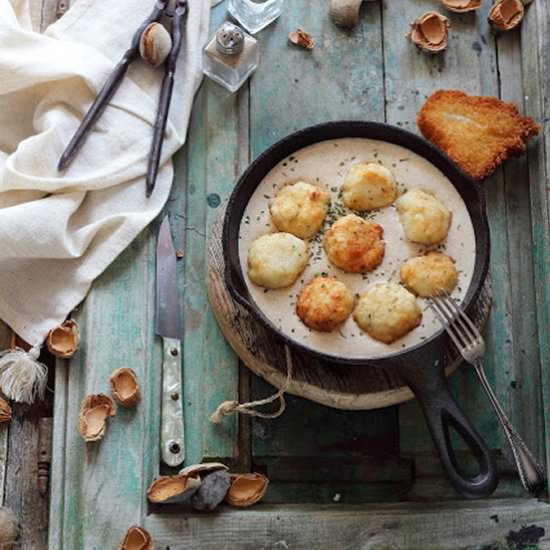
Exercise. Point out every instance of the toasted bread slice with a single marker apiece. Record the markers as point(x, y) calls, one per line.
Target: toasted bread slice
point(478, 133)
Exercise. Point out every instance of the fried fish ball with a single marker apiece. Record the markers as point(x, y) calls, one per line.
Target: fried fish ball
point(368, 186)
point(276, 260)
point(300, 209)
point(354, 244)
point(324, 304)
point(425, 219)
point(430, 274)
point(387, 311)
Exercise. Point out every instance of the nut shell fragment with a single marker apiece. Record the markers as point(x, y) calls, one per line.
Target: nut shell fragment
point(155, 44)
point(461, 6)
point(63, 341)
point(137, 538)
point(94, 411)
point(195, 470)
point(302, 38)
point(5, 411)
point(506, 15)
point(430, 32)
point(125, 387)
point(246, 489)
point(171, 489)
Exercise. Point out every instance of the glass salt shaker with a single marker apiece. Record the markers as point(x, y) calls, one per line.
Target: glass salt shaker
point(230, 57)
point(254, 15)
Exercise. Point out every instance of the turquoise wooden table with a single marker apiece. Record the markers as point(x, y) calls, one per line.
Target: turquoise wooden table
point(367, 479)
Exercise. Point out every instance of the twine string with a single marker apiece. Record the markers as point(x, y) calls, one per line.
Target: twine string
point(228, 408)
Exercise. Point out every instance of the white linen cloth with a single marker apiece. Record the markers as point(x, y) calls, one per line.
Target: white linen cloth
point(58, 232)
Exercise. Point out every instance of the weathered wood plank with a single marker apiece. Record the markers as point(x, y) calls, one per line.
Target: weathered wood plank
point(289, 92)
point(119, 315)
point(19, 468)
point(116, 316)
point(525, 401)
point(405, 526)
point(21, 489)
point(470, 63)
point(535, 39)
point(341, 78)
point(98, 491)
point(211, 368)
point(5, 334)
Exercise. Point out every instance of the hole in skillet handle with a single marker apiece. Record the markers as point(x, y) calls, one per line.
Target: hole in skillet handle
point(424, 374)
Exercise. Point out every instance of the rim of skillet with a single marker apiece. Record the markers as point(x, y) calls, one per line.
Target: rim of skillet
point(469, 190)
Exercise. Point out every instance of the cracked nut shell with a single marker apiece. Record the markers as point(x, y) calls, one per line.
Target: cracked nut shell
point(246, 489)
point(137, 538)
point(506, 15)
point(195, 470)
point(94, 411)
point(155, 44)
point(461, 6)
point(430, 32)
point(172, 489)
point(63, 341)
point(5, 411)
point(125, 387)
point(302, 38)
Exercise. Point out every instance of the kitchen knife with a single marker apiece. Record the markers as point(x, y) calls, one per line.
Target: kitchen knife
point(172, 444)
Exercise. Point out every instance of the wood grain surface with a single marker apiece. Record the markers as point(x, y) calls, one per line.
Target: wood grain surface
point(338, 386)
point(315, 454)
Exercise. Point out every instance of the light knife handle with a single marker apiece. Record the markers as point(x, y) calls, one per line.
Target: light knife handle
point(172, 442)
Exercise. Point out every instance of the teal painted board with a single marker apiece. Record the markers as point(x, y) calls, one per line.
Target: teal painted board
point(342, 77)
point(525, 376)
point(209, 169)
point(300, 89)
point(536, 82)
point(116, 331)
point(95, 483)
point(470, 64)
point(371, 73)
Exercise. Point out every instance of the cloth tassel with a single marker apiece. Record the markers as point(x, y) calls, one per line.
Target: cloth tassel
point(22, 377)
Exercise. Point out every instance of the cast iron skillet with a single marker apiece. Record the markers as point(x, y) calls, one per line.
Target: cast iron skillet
point(421, 366)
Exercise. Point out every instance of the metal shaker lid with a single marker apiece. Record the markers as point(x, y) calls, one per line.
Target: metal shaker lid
point(230, 39)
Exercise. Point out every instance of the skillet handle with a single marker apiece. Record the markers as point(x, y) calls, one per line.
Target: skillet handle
point(442, 412)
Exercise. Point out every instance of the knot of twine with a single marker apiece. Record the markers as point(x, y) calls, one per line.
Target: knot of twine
point(228, 408)
point(34, 352)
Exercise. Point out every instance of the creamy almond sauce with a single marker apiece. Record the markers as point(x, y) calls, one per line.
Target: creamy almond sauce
point(327, 164)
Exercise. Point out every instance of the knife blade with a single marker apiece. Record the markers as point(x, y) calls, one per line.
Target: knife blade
point(167, 326)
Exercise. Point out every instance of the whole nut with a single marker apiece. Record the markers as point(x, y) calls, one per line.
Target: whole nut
point(155, 44)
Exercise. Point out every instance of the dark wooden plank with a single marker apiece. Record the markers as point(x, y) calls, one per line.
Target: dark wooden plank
point(21, 490)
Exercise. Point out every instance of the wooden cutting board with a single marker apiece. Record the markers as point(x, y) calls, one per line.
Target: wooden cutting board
point(342, 387)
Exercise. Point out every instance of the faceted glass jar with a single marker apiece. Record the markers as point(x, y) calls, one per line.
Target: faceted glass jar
point(254, 15)
point(230, 70)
